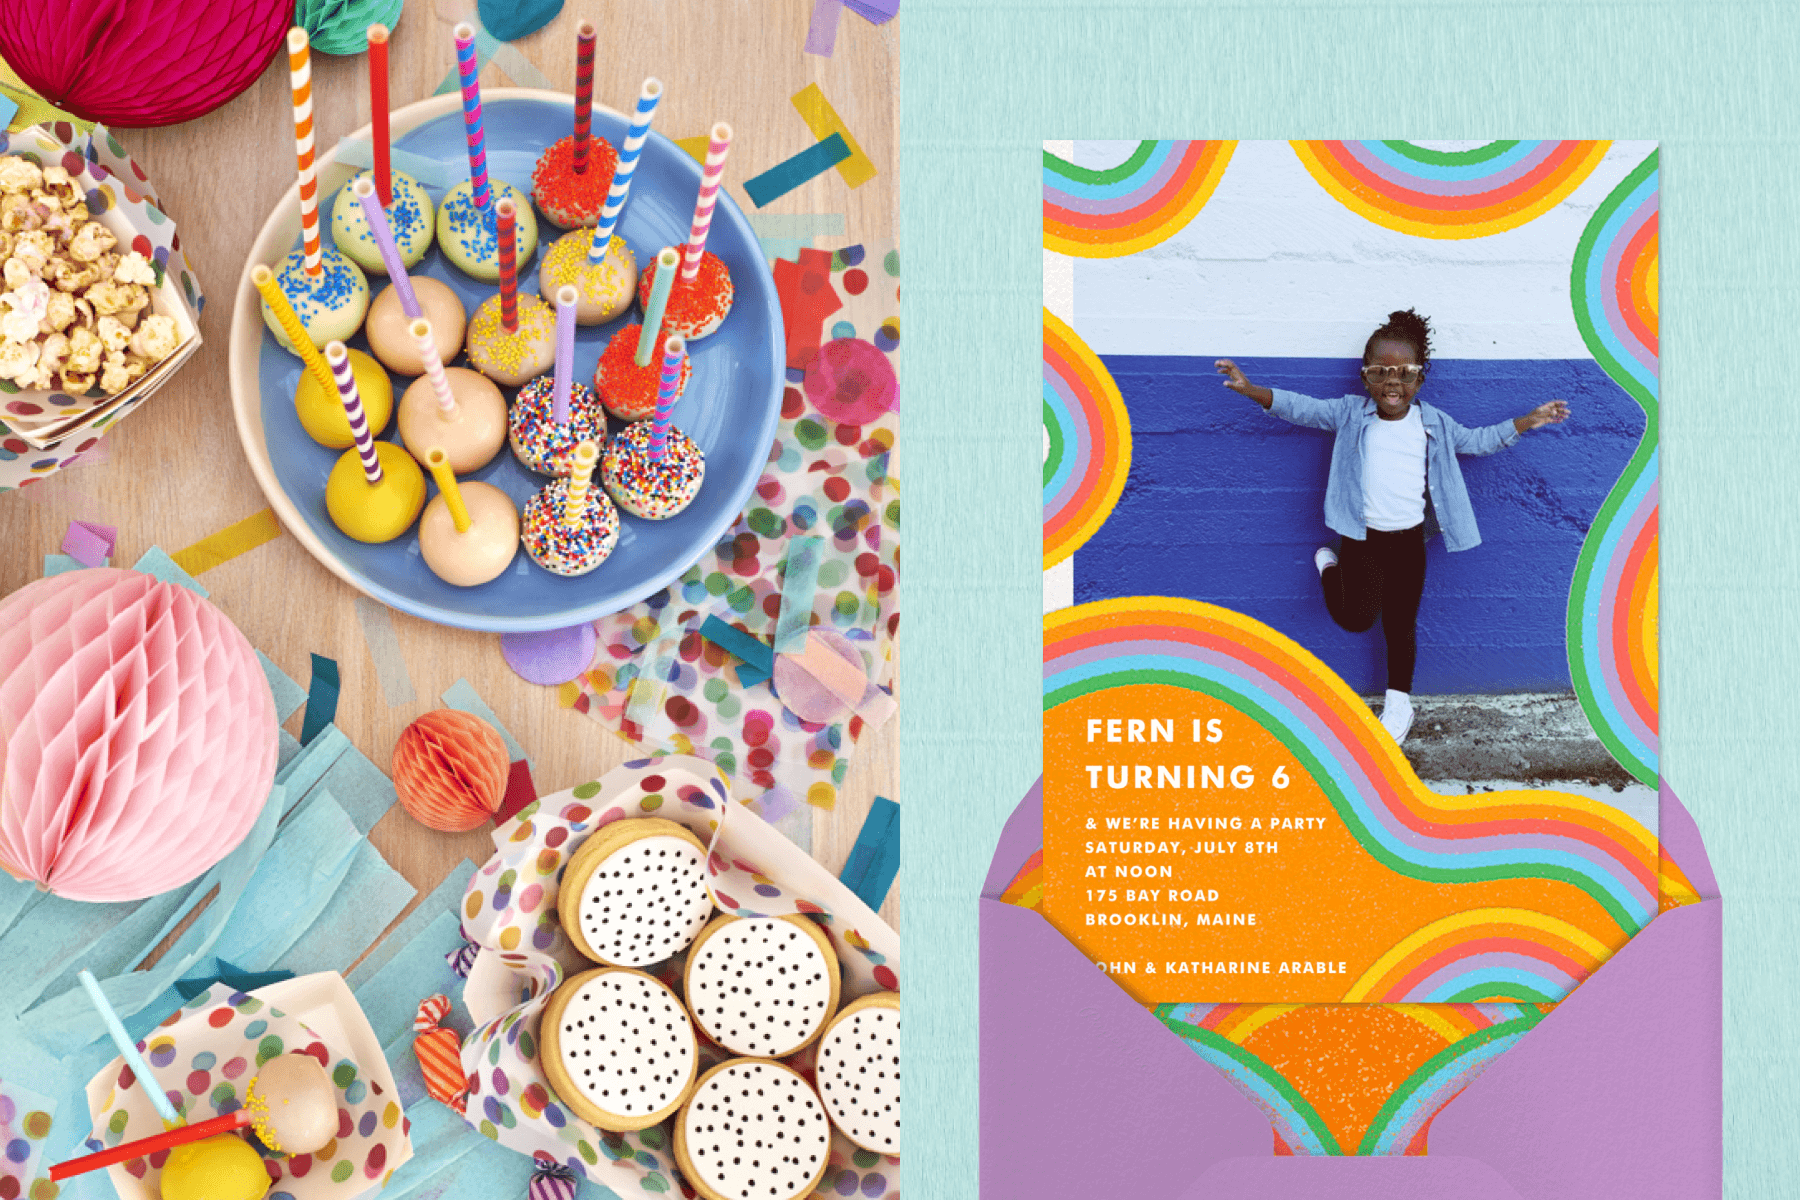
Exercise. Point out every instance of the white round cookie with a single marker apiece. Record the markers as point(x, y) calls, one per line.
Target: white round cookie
point(858, 1072)
point(753, 1130)
point(762, 987)
point(618, 1048)
point(635, 893)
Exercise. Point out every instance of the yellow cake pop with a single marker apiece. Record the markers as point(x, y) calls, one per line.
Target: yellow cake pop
point(376, 489)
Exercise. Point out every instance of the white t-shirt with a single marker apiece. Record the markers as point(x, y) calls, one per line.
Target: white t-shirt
point(1394, 473)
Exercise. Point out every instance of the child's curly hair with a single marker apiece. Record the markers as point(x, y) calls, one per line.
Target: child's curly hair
point(1407, 326)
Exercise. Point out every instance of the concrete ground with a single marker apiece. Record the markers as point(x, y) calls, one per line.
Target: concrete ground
point(1535, 739)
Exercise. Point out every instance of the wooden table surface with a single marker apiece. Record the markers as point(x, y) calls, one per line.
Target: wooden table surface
point(175, 472)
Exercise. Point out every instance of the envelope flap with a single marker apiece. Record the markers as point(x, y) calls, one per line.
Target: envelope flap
point(1022, 837)
point(1681, 844)
point(1432, 1177)
point(1070, 1065)
point(1618, 1091)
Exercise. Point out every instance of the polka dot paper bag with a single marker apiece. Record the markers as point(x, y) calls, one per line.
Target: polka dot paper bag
point(208, 1051)
point(510, 911)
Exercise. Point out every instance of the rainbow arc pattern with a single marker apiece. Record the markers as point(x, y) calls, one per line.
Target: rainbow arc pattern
point(1143, 201)
point(1472, 193)
point(1087, 442)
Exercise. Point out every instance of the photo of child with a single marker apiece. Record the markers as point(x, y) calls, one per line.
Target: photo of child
point(1394, 483)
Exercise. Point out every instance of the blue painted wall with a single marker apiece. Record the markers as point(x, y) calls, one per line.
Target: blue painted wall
point(1226, 504)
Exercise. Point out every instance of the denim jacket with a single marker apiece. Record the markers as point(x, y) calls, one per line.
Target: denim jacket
point(1350, 417)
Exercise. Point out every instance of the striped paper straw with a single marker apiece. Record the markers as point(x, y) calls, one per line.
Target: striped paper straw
point(584, 93)
point(581, 474)
point(709, 195)
point(505, 214)
point(662, 282)
point(673, 346)
point(376, 219)
point(437, 461)
point(339, 358)
point(566, 299)
point(648, 98)
point(378, 111)
point(300, 77)
point(470, 69)
point(289, 320)
point(434, 366)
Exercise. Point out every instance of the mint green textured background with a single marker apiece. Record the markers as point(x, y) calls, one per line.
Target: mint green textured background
point(983, 85)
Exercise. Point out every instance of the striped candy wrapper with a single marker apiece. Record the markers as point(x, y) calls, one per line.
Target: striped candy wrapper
point(469, 68)
point(345, 374)
point(551, 1181)
point(440, 1053)
point(710, 175)
point(300, 79)
point(649, 96)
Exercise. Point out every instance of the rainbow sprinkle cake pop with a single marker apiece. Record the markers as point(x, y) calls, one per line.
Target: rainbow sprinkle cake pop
point(571, 526)
point(553, 414)
point(651, 468)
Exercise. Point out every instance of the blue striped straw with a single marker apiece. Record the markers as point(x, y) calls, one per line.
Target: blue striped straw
point(648, 98)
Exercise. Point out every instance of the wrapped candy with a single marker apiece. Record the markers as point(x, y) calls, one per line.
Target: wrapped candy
point(440, 1052)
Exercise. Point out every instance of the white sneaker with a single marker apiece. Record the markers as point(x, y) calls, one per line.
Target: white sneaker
point(1324, 557)
point(1397, 715)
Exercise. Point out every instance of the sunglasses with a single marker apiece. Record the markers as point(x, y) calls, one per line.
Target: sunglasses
point(1410, 373)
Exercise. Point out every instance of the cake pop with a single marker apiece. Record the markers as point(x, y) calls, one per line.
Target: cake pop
point(376, 489)
point(456, 409)
point(327, 290)
point(703, 291)
point(629, 378)
point(553, 414)
point(316, 400)
point(603, 289)
point(403, 198)
point(573, 176)
point(466, 227)
point(221, 1167)
point(470, 532)
point(651, 468)
point(571, 526)
point(512, 337)
point(405, 300)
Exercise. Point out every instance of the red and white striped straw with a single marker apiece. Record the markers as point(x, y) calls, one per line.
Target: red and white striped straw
point(434, 366)
point(581, 475)
point(714, 170)
point(505, 216)
point(584, 94)
point(345, 374)
point(300, 77)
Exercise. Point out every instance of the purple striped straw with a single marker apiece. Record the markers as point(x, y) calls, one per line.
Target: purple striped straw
point(648, 98)
point(345, 375)
point(470, 69)
point(364, 191)
point(667, 386)
point(434, 366)
point(703, 205)
point(566, 299)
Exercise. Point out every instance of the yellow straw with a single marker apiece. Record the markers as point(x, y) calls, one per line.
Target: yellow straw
point(439, 464)
point(264, 279)
point(581, 473)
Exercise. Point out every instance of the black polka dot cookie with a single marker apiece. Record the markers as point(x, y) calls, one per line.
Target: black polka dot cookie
point(859, 1072)
point(635, 893)
point(618, 1049)
point(762, 987)
point(753, 1130)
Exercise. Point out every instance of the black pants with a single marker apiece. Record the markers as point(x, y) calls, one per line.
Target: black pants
point(1384, 577)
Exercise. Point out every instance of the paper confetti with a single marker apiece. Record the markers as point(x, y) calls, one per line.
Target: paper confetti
point(823, 120)
point(384, 650)
point(89, 543)
point(228, 543)
point(321, 698)
point(875, 859)
point(821, 34)
point(810, 163)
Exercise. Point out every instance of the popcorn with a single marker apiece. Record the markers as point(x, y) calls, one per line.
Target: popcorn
point(74, 310)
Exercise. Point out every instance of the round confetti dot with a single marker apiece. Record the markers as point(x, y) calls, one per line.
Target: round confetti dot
point(843, 329)
point(851, 382)
point(856, 282)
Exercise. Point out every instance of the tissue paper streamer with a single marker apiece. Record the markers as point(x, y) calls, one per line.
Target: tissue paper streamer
point(510, 911)
point(832, 473)
point(210, 1050)
point(139, 735)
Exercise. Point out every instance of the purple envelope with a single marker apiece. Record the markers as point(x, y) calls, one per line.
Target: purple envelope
point(1615, 1094)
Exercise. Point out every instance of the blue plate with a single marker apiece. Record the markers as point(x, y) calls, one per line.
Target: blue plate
point(730, 406)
